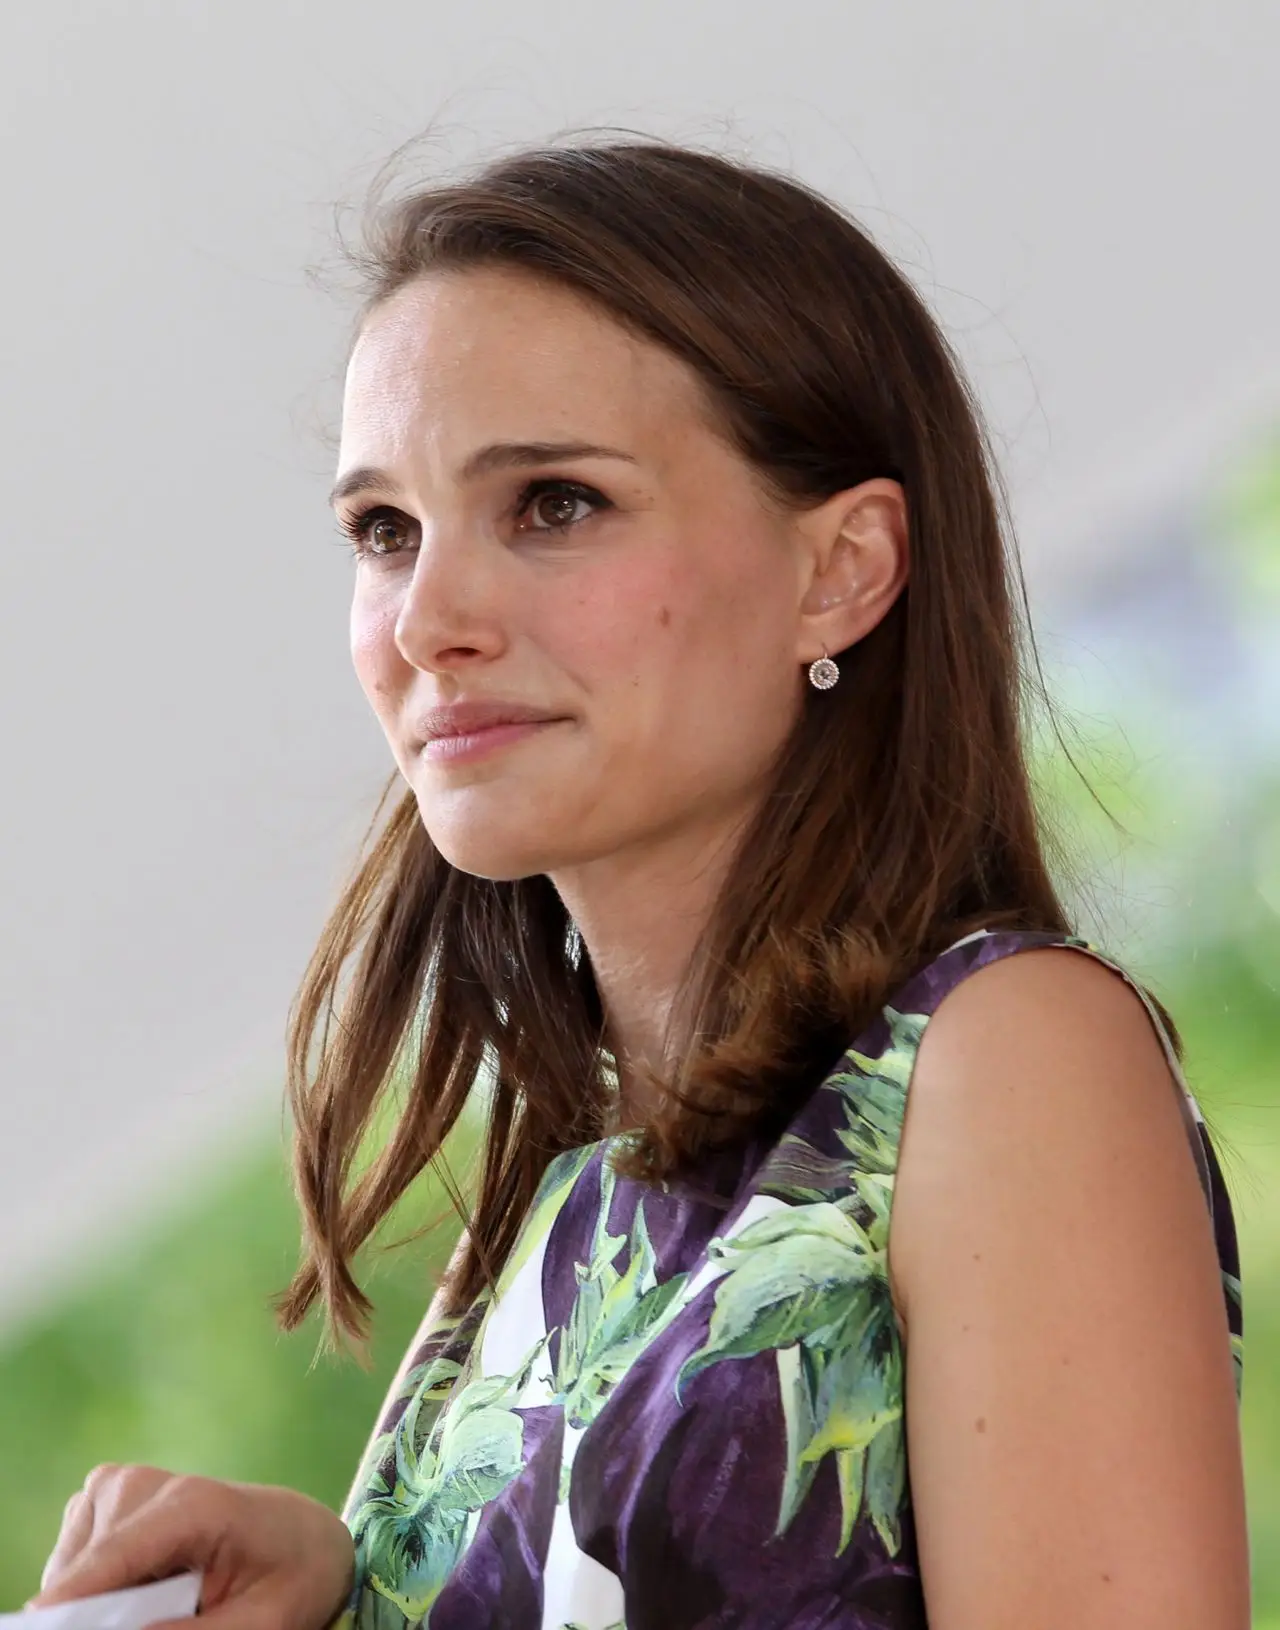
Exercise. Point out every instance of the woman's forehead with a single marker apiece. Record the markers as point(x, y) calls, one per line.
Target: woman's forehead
point(494, 355)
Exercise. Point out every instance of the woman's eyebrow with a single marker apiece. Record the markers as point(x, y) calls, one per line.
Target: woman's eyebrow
point(497, 455)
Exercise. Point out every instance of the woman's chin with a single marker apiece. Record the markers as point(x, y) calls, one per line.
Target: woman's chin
point(500, 861)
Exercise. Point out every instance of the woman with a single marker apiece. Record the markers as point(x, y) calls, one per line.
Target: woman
point(680, 595)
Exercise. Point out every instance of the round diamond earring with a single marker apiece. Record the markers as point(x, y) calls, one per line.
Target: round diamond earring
point(823, 673)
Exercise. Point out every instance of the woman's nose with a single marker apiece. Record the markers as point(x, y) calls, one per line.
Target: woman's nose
point(451, 611)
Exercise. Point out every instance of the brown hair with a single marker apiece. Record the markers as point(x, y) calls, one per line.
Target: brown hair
point(901, 814)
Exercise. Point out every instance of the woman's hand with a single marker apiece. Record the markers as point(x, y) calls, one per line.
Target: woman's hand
point(272, 1559)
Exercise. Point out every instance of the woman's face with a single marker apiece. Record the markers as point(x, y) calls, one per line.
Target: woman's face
point(642, 598)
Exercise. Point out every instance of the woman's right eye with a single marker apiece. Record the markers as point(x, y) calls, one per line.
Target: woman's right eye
point(372, 531)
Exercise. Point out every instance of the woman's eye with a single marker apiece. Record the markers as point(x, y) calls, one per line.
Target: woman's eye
point(557, 505)
point(374, 532)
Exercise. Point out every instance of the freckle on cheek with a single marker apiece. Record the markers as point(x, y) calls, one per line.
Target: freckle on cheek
point(664, 616)
point(980, 1424)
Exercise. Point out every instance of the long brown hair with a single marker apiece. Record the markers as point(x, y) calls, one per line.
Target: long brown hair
point(901, 814)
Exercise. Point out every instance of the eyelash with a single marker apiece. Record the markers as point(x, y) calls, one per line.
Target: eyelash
point(355, 528)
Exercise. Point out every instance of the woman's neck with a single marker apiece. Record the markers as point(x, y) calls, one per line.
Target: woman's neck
point(640, 913)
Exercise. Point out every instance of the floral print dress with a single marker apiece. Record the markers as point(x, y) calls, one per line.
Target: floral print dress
point(683, 1411)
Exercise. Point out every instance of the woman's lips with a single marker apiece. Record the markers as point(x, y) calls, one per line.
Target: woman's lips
point(472, 744)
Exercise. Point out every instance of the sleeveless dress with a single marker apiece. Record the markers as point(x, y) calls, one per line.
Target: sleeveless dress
point(684, 1408)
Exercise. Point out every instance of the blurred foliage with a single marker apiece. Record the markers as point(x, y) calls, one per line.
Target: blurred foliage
point(1229, 1016)
point(1245, 511)
point(171, 1356)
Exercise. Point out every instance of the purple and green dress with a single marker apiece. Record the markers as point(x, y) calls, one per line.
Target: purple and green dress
point(682, 1407)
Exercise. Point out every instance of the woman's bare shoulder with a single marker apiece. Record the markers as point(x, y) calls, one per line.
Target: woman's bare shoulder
point(1069, 1369)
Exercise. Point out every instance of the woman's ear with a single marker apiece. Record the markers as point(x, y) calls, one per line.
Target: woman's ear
point(856, 564)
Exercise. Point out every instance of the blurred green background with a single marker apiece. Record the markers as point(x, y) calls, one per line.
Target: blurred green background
point(169, 1355)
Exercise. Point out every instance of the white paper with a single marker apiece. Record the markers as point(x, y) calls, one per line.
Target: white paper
point(117, 1610)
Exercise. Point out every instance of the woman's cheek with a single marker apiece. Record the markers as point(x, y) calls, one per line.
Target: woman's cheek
point(621, 623)
point(374, 653)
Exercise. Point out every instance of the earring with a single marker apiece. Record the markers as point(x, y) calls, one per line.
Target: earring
point(823, 673)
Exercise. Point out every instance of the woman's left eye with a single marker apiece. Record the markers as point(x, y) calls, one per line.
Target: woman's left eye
point(557, 502)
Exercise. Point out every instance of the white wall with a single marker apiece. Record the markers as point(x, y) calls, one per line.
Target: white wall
point(1083, 191)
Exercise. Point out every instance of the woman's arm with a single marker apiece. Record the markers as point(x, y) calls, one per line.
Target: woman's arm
point(1072, 1422)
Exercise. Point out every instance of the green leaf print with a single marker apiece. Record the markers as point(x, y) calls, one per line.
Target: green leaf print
point(809, 1283)
point(841, 1402)
point(413, 1533)
point(375, 1613)
point(857, 1403)
point(892, 1067)
point(855, 1400)
point(615, 1314)
point(796, 1390)
point(886, 1483)
point(480, 1447)
point(799, 1172)
point(873, 1093)
point(430, 1383)
point(792, 1276)
point(439, 1469)
point(850, 1472)
point(557, 1181)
